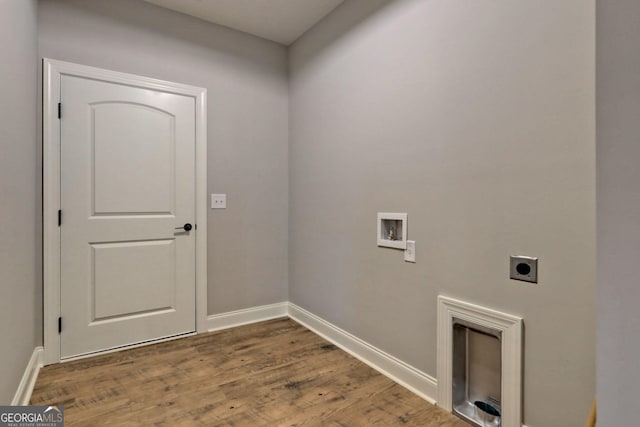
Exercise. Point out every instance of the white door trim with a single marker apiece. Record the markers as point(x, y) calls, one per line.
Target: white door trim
point(52, 72)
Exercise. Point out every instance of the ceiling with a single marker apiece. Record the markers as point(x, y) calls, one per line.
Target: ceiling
point(281, 21)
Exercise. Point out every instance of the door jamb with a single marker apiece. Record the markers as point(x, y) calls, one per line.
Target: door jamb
point(53, 70)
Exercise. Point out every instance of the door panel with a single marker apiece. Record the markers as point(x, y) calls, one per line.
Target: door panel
point(116, 273)
point(145, 155)
point(127, 181)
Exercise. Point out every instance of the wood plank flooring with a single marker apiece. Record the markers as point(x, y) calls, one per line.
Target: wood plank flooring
point(274, 373)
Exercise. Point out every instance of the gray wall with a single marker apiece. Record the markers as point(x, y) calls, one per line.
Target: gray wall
point(477, 119)
point(246, 78)
point(20, 247)
point(618, 189)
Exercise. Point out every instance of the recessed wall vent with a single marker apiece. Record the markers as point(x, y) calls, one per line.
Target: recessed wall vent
point(479, 363)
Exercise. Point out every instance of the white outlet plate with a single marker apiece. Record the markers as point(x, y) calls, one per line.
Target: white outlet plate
point(410, 251)
point(218, 201)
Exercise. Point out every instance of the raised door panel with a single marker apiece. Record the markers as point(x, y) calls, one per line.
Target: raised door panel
point(134, 159)
point(132, 269)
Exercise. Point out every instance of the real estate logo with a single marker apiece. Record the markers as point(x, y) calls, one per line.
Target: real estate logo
point(31, 416)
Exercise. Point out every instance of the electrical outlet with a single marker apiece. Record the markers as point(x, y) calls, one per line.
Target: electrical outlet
point(410, 252)
point(218, 201)
point(524, 268)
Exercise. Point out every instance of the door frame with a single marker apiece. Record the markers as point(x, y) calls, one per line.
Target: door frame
point(52, 71)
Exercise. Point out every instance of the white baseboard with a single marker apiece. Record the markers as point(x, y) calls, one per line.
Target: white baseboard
point(232, 319)
point(407, 376)
point(28, 382)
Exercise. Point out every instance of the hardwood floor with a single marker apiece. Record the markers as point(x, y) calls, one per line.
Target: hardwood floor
point(275, 373)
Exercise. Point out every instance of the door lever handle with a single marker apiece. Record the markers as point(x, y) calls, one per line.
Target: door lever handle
point(186, 227)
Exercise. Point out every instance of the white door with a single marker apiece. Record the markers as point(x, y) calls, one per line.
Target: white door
point(127, 274)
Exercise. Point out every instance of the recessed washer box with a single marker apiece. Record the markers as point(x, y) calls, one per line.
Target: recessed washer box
point(524, 268)
point(392, 230)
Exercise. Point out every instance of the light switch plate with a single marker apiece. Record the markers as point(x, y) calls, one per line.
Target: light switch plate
point(410, 251)
point(218, 201)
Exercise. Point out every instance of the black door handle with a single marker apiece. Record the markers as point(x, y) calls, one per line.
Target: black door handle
point(186, 227)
